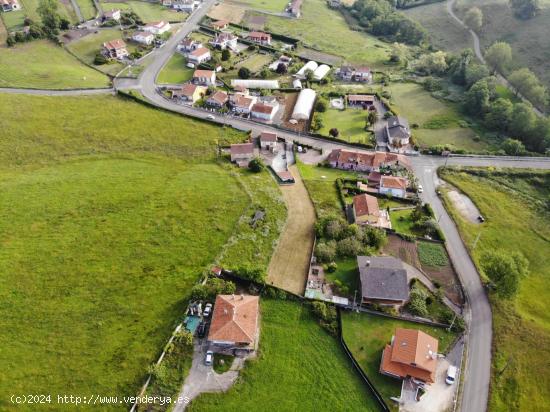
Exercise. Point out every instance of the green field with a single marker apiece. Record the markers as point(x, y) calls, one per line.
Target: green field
point(350, 123)
point(347, 273)
point(366, 335)
point(14, 19)
point(175, 71)
point(276, 6)
point(87, 9)
point(88, 46)
point(299, 367)
point(401, 221)
point(325, 29)
point(148, 12)
point(256, 62)
point(521, 327)
point(107, 222)
point(432, 254)
point(41, 64)
point(437, 120)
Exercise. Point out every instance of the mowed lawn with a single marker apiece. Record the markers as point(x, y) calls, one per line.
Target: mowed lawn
point(366, 335)
point(299, 367)
point(350, 123)
point(175, 71)
point(521, 327)
point(437, 120)
point(326, 30)
point(98, 257)
point(148, 12)
point(42, 64)
point(276, 6)
point(14, 20)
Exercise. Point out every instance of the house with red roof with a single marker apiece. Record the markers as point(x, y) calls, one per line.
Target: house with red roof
point(242, 153)
point(115, 49)
point(365, 161)
point(393, 185)
point(204, 77)
point(260, 37)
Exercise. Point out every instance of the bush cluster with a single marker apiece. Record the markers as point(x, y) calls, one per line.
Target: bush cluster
point(212, 288)
point(327, 316)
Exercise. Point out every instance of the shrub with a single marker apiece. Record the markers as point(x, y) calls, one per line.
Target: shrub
point(325, 251)
point(332, 267)
point(349, 247)
point(100, 59)
point(250, 273)
point(213, 287)
point(256, 165)
point(417, 302)
point(244, 73)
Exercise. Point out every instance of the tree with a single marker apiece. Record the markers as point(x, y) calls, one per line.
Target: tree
point(335, 229)
point(264, 73)
point(458, 65)
point(433, 63)
point(317, 124)
point(321, 105)
point(47, 9)
point(349, 247)
point(309, 75)
point(281, 68)
point(244, 73)
point(10, 41)
point(525, 9)
point(513, 147)
point(499, 56)
point(325, 251)
point(226, 55)
point(474, 18)
point(527, 84)
point(372, 117)
point(256, 165)
point(505, 271)
point(334, 132)
point(477, 98)
point(499, 115)
point(100, 59)
point(475, 72)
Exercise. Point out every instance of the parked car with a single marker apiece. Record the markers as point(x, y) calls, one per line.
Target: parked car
point(420, 189)
point(201, 330)
point(211, 117)
point(207, 310)
point(209, 358)
point(451, 375)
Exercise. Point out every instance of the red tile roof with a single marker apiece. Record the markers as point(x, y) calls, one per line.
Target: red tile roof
point(199, 52)
point(268, 137)
point(393, 182)
point(203, 73)
point(365, 205)
point(235, 319)
point(370, 159)
point(114, 44)
point(259, 35)
point(262, 108)
point(242, 148)
point(361, 98)
point(220, 97)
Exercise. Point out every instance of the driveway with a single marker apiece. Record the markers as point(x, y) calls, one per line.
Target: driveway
point(202, 378)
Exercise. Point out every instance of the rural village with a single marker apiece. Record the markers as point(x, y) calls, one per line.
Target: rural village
point(308, 218)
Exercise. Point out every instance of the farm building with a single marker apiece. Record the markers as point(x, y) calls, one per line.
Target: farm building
point(321, 72)
point(304, 105)
point(255, 83)
point(310, 65)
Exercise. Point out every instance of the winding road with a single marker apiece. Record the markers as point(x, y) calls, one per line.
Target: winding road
point(478, 310)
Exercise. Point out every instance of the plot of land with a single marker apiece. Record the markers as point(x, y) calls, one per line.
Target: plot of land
point(366, 335)
point(147, 11)
point(290, 262)
point(41, 64)
point(256, 62)
point(298, 364)
point(175, 71)
point(437, 120)
point(14, 19)
point(229, 12)
point(87, 9)
point(350, 123)
point(277, 6)
point(508, 200)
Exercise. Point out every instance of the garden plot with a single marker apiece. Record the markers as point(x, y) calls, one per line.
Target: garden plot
point(225, 11)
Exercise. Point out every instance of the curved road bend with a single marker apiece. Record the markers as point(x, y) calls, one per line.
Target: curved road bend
point(479, 54)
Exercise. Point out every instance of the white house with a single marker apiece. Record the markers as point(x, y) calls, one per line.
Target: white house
point(263, 111)
point(143, 37)
point(393, 185)
point(188, 45)
point(113, 14)
point(242, 104)
point(184, 5)
point(397, 131)
point(268, 140)
point(205, 77)
point(224, 41)
point(10, 5)
point(158, 27)
point(199, 56)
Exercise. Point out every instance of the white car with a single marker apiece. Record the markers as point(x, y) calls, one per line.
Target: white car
point(211, 117)
point(209, 358)
point(451, 375)
point(420, 189)
point(207, 310)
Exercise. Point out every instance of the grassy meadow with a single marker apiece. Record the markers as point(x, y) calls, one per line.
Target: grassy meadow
point(438, 121)
point(41, 64)
point(148, 12)
point(87, 9)
point(107, 220)
point(175, 71)
point(366, 335)
point(350, 123)
point(324, 29)
point(515, 221)
point(275, 6)
point(14, 19)
point(299, 366)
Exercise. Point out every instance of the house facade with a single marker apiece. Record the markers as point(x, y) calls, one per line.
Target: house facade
point(200, 55)
point(397, 131)
point(365, 161)
point(143, 37)
point(219, 24)
point(157, 28)
point(234, 328)
point(184, 5)
point(115, 49)
point(263, 111)
point(366, 210)
point(204, 77)
point(188, 45)
point(268, 140)
point(364, 101)
point(242, 104)
point(113, 14)
point(394, 186)
point(383, 280)
point(260, 37)
point(242, 153)
point(189, 92)
point(411, 353)
point(361, 74)
point(224, 41)
point(217, 100)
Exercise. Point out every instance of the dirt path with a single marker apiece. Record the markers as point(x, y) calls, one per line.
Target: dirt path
point(464, 205)
point(290, 262)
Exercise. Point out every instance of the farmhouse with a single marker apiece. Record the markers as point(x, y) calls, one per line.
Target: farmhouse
point(411, 353)
point(366, 212)
point(205, 77)
point(10, 5)
point(188, 45)
point(268, 140)
point(224, 41)
point(263, 111)
point(397, 131)
point(143, 37)
point(219, 24)
point(360, 100)
point(198, 56)
point(157, 28)
point(113, 14)
point(234, 327)
point(241, 104)
point(383, 280)
point(189, 92)
point(260, 37)
point(365, 161)
point(294, 9)
point(242, 153)
point(218, 99)
point(393, 185)
point(115, 49)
